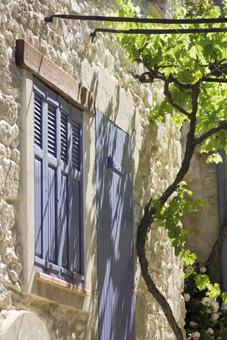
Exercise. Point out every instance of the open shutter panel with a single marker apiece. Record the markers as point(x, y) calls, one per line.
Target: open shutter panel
point(114, 231)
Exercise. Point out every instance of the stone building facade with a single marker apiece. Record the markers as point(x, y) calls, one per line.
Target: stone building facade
point(90, 76)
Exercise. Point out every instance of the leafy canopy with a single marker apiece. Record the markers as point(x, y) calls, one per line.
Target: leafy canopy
point(185, 63)
point(169, 216)
point(184, 60)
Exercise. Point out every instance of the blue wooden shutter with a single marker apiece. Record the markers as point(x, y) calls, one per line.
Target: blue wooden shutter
point(58, 186)
point(115, 232)
point(76, 162)
point(76, 144)
point(63, 197)
point(51, 130)
point(64, 148)
point(75, 239)
point(38, 120)
point(50, 187)
point(38, 174)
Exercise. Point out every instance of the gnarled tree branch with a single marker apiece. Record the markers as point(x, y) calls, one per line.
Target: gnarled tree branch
point(149, 213)
point(148, 219)
point(140, 245)
point(221, 126)
point(168, 95)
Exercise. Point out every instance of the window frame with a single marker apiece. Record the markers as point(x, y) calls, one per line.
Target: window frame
point(73, 114)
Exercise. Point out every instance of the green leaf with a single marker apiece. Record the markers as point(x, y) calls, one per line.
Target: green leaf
point(119, 2)
point(224, 297)
point(188, 258)
point(215, 12)
point(193, 52)
point(215, 158)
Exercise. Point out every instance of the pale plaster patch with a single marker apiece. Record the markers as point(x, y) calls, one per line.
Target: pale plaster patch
point(22, 325)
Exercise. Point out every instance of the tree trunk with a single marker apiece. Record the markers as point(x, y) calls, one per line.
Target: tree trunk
point(141, 239)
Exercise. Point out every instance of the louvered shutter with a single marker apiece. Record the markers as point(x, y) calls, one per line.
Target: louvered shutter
point(51, 186)
point(58, 187)
point(75, 204)
point(63, 198)
point(51, 130)
point(38, 120)
point(64, 137)
point(38, 174)
point(76, 144)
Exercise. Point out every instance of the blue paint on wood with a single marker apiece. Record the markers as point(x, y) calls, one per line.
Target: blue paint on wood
point(38, 207)
point(74, 241)
point(115, 232)
point(51, 217)
point(63, 224)
point(58, 186)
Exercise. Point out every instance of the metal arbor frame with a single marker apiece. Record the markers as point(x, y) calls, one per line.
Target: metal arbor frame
point(146, 21)
point(149, 31)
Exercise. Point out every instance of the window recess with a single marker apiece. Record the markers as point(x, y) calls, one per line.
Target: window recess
point(58, 186)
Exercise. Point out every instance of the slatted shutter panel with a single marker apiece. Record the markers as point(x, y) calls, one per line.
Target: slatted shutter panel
point(51, 187)
point(63, 202)
point(63, 225)
point(64, 137)
point(76, 145)
point(51, 130)
point(58, 186)
point(38, 175)
point(114, 232)
point(51, 215)
point(38, 120)
point(74, 241)
point(75, 221)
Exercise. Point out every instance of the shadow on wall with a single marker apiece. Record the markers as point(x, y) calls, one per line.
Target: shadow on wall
point(155, 154)
point(89, 177)
point(155, 169)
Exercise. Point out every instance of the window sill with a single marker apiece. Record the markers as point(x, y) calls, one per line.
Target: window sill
point(60, 283)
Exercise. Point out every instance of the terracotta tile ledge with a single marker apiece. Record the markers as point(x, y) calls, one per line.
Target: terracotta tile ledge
point(61, 283)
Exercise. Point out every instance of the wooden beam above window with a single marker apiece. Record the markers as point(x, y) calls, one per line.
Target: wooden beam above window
point(41, 67)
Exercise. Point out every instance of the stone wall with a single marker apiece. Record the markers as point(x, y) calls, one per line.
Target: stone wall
point(102, 68)
point(202, 181)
